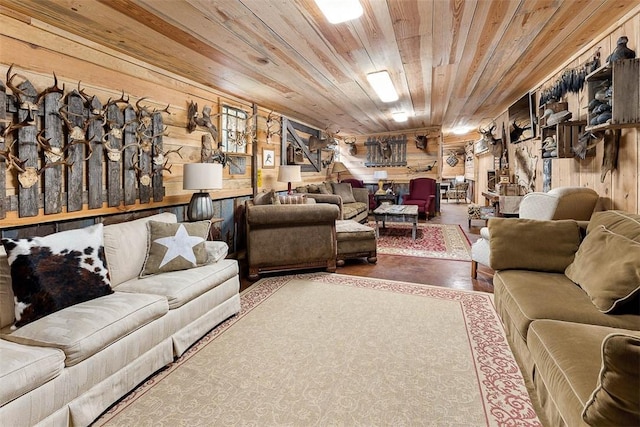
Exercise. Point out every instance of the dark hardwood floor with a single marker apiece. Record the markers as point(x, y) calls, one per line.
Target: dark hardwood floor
point(446, 273)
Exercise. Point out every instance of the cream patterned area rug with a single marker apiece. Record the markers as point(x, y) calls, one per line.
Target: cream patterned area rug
point(329, 349)
point(441, 241)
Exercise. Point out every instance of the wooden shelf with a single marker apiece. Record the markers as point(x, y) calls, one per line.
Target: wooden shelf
point(624, 78)
point(566, 135)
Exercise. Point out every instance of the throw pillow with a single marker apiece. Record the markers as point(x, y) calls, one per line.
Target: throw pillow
point(619, 222)
point(616, 399)
point(295, 199)
point(266, 198)
point(343, 190)
point(608, 288)
point(174, 247)
point(529, 244)
point(216, 251)
point(56, 271)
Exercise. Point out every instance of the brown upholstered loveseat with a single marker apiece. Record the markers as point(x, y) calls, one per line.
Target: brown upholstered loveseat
point(353, 202)
point(570, 308)
point(290, 236)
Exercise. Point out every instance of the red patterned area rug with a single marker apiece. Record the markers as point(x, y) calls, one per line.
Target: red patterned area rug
point(330, 349)
point(441, 241)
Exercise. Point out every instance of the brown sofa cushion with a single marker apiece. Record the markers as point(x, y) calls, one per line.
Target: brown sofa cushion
point(608, 288)
point(524, 296)
point(616, 400)
point(343, 190)
point(532, 244)
point(619, 222)
point(567, 363)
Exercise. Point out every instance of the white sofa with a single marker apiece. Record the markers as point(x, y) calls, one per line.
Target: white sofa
point(66, 368)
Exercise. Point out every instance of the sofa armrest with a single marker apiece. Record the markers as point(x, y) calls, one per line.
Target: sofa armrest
point(532, 244)
point(268, 215)
point(361, 195)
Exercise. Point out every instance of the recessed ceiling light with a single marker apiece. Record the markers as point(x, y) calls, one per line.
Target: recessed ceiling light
point(400, 116)
point(381, 82)
point(337, 11)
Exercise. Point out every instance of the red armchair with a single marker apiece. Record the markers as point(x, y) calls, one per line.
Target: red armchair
point(422, 192)
point(356, 183)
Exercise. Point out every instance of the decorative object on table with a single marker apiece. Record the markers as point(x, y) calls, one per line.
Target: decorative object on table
point(289, 174)
point(201, 176)
point(621, 51)
point(268, 159)
point(338, 168)
point(381, 176)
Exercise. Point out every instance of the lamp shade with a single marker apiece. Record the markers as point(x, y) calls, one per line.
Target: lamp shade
point(202, 176)
point(289, 173)
point(339, 167)
point(380, 175)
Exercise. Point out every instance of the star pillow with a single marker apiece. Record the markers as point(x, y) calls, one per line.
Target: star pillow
point(174, 246)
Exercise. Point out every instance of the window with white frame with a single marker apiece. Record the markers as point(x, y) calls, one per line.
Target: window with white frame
point(234, 122)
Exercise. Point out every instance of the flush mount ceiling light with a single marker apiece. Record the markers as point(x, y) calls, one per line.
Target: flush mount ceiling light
point(381, 82)
point(400, 116)
point(337, 11)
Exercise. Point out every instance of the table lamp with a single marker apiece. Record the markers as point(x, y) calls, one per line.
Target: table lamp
point(201, 176)
point(289, 174)
point(380, 176)
point(339, 167)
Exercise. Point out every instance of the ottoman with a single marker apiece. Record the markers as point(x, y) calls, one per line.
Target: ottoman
point(355, 240)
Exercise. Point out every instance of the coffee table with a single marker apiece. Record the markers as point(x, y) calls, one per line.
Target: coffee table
point(397, 213)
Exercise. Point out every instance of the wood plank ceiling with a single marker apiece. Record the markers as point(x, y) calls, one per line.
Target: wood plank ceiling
point(453, 62)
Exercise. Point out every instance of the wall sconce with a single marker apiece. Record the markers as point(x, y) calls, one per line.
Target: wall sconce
point(380, 176)
point(201, 176)
point(381, 82)
point(289, 174)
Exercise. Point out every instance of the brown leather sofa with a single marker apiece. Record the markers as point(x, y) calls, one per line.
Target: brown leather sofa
point(287, 237)
point(571, 311)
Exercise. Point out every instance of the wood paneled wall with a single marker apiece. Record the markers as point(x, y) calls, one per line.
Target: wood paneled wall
point(621, 188)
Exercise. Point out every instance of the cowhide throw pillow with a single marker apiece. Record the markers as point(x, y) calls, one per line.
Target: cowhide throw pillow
point(174, 247)
point(56, 271)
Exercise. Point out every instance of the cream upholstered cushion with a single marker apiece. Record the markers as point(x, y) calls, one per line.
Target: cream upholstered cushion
point(125, 246)
point(84, 329)
point(532, 245)
point(25, 368)
point(608, 288)
point(180, 287)
point(216, 250)
point(616, 399)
